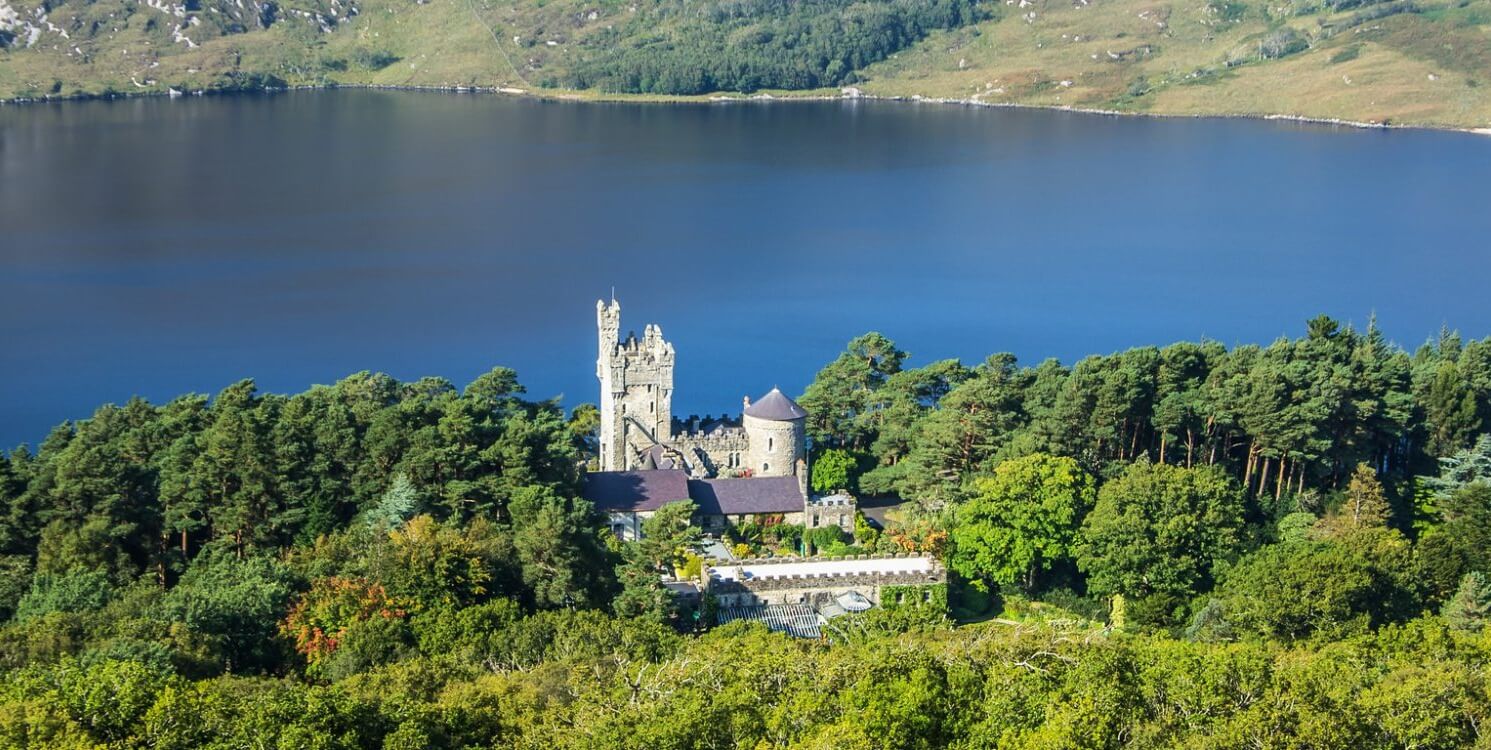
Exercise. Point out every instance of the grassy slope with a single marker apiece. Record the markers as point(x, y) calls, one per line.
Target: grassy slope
point(1432, 67)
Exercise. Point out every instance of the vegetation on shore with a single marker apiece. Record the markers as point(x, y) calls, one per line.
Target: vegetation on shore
point(1188, 546)
point(1424, 62)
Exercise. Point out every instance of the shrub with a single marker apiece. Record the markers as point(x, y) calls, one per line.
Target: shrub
point(77, 590)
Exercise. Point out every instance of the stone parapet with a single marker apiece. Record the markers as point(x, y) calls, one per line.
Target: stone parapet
point(826, 580)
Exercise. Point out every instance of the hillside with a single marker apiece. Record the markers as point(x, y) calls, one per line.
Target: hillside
point(1399, 61)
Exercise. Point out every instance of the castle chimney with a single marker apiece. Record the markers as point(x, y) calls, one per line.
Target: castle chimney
point(802, 477)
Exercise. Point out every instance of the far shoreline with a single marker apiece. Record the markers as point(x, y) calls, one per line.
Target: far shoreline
point(844, 94)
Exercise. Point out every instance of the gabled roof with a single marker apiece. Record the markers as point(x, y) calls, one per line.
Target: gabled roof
point(648, 490)
point(728, 497)
point(635, 490)
point(776, 406)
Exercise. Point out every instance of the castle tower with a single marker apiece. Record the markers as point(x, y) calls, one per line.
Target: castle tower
point(776, 429)
point(636, 379)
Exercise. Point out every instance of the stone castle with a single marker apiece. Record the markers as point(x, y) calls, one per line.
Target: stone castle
point(639, 432)
point(735, 471)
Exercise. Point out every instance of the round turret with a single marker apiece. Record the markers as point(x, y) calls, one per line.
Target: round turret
point(775, 426)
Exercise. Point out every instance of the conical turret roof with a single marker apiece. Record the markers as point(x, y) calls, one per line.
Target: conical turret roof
point(776, 406)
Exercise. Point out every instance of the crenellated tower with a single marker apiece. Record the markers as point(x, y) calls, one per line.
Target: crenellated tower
point(636, 379)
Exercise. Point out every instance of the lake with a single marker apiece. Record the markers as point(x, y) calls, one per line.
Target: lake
point(156, 246)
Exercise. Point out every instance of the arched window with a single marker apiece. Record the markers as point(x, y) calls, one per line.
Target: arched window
point(765, 468)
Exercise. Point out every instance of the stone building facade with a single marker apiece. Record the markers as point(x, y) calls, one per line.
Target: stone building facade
point(638, 430)
point(788, 580)
point(753, 468)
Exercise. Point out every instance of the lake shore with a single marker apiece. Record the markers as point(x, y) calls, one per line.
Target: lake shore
point(819, 95)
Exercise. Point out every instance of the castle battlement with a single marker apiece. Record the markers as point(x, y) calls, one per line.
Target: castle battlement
point(788, 579)
point(636, 405)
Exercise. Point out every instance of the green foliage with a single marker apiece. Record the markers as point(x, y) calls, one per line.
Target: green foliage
point(1157, 530)
point(1320, 589)
point(1470, 607)
point(834, 470)
point(1450, 410)
point(170, 542)
point(235, 605)
point(1296, 527)
point(1459, 543)
point(1346, 54)
point(1465, 466)
point(338, 613)
point(824, 539)
point(668, 539)
point(433, 564)
point(746, 45)
point(1021, 521)
point(841, 401)
point(374, 59)
point(932, 595)
point(77, 590)
point(15, 580)
point(559, 550)
point(865, 535)
point(1364, 506)
point(397, 505)
point(973, 422)
point(789, 535)
point(1281, 42)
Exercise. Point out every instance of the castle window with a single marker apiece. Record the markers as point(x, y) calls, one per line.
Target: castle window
point(651, 407)
point(769, 442)
point(765, 468)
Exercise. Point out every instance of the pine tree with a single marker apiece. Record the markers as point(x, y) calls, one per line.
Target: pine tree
point(1470, 607)
point(1365, 506)
point(1450, 411)
point(397, 505)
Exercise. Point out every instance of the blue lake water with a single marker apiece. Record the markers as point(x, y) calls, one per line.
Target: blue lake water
point(156, 247)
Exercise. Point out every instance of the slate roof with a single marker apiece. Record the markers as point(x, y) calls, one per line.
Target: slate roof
point(797, 620)
point(721, 497)
point(635, 490)
point(776, 407)
point(656, 457)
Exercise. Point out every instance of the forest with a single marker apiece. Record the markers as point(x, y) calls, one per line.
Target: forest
point(747, 45)
point(1190, 546)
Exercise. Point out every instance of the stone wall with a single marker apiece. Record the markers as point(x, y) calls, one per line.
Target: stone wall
point(792, 589)
point(775, 447)
point(636, 384)
point(717, 454)
point(834, 510)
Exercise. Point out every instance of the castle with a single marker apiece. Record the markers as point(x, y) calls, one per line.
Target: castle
point(639, 431)
point(748, 470)
point(751, 469)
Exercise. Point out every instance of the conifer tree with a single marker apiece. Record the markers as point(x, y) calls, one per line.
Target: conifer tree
point(1470, 607)
point(399, 504)
point(1365, 506)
